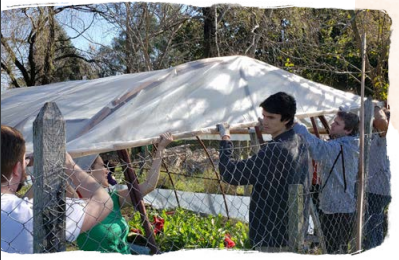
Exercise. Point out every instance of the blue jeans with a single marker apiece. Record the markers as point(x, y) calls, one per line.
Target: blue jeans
point(374, 220)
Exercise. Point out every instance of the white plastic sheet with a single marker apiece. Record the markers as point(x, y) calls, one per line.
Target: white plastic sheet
point(104, 114)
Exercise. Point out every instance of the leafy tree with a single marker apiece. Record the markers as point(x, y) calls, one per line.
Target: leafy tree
point(36, 49)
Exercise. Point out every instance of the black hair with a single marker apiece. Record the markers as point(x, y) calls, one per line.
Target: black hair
point(351, 121)
point(283, 104)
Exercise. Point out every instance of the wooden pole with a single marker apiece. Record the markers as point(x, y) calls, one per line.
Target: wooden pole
point(137, 199)
point(317, 226)
point(217, 176)
point(360, 193)
point(49, 180)
point(237, 128)
point(256, 139)
point(325, 123)
point(295, 217)
point(170, 178)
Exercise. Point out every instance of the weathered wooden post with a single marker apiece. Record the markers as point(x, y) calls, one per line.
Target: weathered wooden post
point(317, 226)
point(49, 180)
point(255, 147)
point(366, 110)
point(366, 131)
point(295, 217)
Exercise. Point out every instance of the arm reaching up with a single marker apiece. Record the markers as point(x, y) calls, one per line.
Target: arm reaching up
point(99, 203)
point(152, 175)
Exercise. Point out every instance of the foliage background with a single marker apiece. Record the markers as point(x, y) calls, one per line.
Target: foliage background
point(322, 45)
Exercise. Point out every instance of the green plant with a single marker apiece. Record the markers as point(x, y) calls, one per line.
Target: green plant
point(185, 229)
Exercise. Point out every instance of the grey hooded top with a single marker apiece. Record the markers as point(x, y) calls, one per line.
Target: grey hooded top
point(379, 173)
point(334, 197)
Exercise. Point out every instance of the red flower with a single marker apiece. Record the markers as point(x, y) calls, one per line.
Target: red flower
point(228, 243)
point(158, 224)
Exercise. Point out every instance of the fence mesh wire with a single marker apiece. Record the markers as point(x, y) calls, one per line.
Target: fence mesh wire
point(377, 193)
point(195, 205)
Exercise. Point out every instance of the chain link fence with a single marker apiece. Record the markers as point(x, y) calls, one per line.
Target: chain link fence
point(377, 193)
point(267, 197)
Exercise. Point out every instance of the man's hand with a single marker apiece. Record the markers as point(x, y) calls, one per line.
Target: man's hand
point(224, 130)
point(379, 113)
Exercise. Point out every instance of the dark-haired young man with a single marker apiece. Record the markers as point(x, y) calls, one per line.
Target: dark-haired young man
point(279, 163)
point(338, 159)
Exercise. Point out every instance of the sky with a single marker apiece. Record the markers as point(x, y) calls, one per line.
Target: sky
point(99, 32)
point(389, 246)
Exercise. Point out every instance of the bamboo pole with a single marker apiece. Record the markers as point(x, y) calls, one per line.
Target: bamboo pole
point(183, 135)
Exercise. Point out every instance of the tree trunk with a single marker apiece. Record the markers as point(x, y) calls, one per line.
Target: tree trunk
point(209, 32)
point(49, 58)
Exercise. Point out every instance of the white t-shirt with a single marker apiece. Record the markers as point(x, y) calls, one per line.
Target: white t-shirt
point(17, 222)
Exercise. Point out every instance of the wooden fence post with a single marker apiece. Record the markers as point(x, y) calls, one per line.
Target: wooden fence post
point(49, 180)
point(317, 226)
point(295, 217)
point(365, 141)
point(255, 147)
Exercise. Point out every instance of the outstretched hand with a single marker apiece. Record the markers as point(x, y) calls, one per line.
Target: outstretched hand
point(166, 138)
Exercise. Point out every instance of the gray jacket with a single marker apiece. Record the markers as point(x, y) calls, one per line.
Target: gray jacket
point(378, 180)
point(334, 197)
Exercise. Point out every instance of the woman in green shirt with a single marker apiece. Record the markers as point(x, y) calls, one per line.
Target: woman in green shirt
point(110, 235)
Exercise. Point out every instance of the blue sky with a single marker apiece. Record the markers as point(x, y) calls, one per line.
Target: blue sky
point(99, 32)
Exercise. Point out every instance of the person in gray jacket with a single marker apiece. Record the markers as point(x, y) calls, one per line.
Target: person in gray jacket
point(338, 159)
point(378, 182)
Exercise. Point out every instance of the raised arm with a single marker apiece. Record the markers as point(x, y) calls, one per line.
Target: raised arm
point(152, 175)
point(380, 121)
point(98, 202)
point(238, 172)
point(319, 149)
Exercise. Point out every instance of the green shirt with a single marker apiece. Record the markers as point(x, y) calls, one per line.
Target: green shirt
point(108, 236)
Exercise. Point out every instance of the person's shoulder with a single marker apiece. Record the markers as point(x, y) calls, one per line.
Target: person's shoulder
point(13, 198)
point(12, 203)
point(348, 141)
